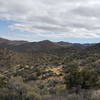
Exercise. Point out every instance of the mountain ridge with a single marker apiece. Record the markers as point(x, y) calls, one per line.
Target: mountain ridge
point(45, 45)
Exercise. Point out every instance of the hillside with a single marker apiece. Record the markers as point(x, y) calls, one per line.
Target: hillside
point(49, 70)
point(46, 45)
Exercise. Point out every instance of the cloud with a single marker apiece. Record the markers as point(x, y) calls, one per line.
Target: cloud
point(53, 18)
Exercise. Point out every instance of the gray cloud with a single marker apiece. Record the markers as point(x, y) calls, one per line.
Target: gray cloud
point(88, 11)
point(53, 18)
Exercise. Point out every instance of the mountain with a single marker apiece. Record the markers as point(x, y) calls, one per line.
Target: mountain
point(64, 43)
point(94, 48)
point(43, 69)
point(2, 40)
point(25, 46)
point(47, 52)
point(9, 42)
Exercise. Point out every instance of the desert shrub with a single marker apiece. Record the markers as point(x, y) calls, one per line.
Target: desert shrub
point(85, 78)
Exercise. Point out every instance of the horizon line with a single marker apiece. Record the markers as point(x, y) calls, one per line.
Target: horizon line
point(47, 40)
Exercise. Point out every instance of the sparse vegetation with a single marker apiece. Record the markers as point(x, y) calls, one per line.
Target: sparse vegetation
point(54, 73)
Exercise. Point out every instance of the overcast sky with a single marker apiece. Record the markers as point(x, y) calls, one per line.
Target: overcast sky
point(57, 20)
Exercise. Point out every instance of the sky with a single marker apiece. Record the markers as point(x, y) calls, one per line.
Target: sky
point(56, 20)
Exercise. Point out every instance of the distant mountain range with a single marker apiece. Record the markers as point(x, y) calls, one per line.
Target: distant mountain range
point(25, 46)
